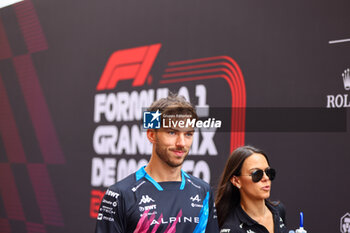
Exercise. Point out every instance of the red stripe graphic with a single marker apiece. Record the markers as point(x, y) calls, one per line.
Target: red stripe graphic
point(9, 193)
point(45, 195)
point(95, 201)
point(8, 129)
point(4, 226)
point(38, 110)
point(168, 70)
point(35, 228)
point(30, 26)
point(5, 50)
point(134, 63)
point(211, 68)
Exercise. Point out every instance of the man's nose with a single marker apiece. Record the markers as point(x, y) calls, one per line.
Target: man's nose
point(180, 140)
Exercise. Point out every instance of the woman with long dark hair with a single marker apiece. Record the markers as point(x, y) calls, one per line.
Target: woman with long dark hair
point(244, 188)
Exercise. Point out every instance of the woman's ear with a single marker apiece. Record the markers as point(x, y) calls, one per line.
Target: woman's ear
point(151, 135)
point(236, 182)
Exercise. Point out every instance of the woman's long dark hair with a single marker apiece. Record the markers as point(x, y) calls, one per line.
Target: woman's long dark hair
point(228, 196)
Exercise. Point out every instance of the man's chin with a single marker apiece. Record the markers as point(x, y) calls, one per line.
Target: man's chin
point(175, 164)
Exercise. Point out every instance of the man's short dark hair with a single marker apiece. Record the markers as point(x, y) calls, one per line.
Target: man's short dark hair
point(174, 104)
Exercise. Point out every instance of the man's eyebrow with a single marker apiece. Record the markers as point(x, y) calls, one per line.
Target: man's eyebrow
point(172, 129)
point(177, 130)
point(190, 131)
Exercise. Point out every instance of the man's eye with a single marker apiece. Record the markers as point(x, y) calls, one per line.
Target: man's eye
point(171, 132)
point(189, 134)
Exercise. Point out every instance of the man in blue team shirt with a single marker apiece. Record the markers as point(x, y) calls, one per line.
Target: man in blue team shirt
point(160, 197)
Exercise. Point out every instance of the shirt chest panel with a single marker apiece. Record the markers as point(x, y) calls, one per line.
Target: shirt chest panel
point(170, 207)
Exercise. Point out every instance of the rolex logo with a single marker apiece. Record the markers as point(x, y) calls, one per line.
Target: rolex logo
point(341, 100)
point(346, 79)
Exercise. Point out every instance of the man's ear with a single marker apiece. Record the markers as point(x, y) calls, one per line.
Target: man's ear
point(236, 182)
point(151, 135)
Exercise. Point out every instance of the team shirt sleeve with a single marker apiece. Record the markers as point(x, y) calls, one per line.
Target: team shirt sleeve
point(212, 225)
point(111, 216)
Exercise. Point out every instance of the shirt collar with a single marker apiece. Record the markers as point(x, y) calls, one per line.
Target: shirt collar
point(142, 173)
point(244, 217)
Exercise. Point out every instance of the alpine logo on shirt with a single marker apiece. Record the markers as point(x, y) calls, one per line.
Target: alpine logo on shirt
point(196, 198)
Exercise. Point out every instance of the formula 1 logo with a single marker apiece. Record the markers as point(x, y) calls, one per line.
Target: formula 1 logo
point(135, 64)
point(145, 199)
point(127, 64)
point(151, 120)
